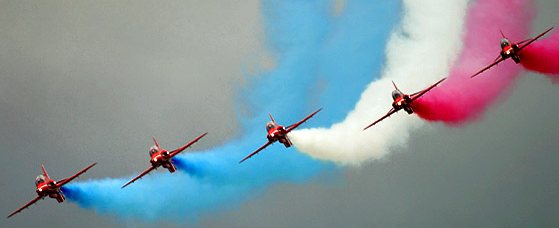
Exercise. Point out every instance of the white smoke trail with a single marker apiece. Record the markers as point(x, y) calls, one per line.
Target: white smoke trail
point(419, 52)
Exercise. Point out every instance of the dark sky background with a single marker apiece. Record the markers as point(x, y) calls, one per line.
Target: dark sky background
point(85, 81)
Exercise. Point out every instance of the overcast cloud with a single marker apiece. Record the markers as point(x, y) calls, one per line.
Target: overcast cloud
point(84, 81)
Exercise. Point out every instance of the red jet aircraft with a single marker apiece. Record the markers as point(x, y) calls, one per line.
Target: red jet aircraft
point(511, 50)
point(49, 187)
point(162, 157)
point(403, 101)
point(279, 133)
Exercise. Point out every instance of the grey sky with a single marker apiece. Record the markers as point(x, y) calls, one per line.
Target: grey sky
point(83, 81)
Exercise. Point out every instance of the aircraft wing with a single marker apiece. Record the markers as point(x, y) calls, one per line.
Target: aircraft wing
point(180, 149)
point(62, 182)
point(25, 206)
point(422, 92)
point(535, 38)
point(524, 41)
point(256, 151)
point(295, 125)
point(139, 176)
point(499, 59)
point(392, 111)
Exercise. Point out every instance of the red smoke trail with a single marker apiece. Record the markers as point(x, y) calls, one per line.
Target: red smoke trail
point(543, 56)
point(461, 98)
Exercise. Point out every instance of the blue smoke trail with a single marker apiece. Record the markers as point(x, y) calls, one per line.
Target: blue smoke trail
point(354, 54)
point(322, 60)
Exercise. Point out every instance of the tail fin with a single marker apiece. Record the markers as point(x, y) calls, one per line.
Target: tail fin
point(271, 117)
point(44, 171)
point(155, 141)
point(396, 87)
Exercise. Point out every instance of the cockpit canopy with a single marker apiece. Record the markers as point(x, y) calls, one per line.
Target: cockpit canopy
point(153, 150)
point(270, 125)
point(396, 94)
point(505, 42)
point(39, 179)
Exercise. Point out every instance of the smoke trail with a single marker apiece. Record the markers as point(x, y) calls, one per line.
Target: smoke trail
point(543, 56)
point(460, 98)
point(418, 54)
point(300, 34)
point(353, 55)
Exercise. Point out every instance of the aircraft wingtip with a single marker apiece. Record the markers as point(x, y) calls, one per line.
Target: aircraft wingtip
point(12, 214)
